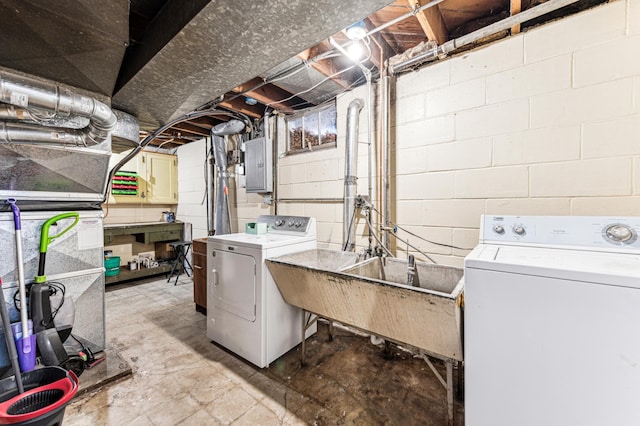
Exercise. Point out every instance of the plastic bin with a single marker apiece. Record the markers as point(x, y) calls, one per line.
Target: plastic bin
point(47, 391)
point(112, 266)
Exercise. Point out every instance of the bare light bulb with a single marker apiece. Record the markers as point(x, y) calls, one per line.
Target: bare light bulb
point(355, 51)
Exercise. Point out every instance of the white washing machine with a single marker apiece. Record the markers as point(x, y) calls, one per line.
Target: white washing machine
point(552, 322)
point(245, 311)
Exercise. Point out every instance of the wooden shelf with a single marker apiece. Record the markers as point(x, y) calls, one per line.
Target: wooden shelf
point(126, 274)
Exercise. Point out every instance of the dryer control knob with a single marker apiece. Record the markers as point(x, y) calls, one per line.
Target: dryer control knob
point(498, 229)
point(279, 222)
point(298, 224)
point(619, 233)
point(518, 229)
point(290, 223)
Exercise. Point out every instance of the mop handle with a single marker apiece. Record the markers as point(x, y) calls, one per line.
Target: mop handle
point(8, 337)
point(24, 319)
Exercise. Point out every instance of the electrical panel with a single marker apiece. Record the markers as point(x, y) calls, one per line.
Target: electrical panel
point(259, 165)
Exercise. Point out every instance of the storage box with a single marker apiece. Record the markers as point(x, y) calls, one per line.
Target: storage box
point(255, 228)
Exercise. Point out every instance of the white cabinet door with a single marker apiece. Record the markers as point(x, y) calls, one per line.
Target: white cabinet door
point(162, 178)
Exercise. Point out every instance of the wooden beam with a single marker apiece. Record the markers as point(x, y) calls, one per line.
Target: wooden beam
point(431, 21)
point(191, 128)
point(379, 46)
point(327, 67)
point(268, 94)
point(238, 104)
point(516, 7)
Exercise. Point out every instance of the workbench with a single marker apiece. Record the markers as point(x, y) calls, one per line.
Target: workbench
point(146, 233)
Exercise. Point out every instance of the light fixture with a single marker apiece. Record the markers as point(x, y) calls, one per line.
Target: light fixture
point(357, 31)
point(355, 51)
point(250, 101)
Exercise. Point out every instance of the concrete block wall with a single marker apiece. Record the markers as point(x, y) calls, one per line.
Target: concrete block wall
point(546, 122)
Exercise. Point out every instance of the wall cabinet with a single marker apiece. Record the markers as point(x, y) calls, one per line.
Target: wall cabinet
point(199, 257)
point(156, 181)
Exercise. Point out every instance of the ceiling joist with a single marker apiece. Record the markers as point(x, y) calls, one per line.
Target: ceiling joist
point(431, 21)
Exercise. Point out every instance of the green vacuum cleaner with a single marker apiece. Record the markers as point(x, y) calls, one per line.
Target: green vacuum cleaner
point(49, 339)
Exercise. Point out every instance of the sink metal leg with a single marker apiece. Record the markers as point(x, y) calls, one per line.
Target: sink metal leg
point(449, 392)
point(448, 384)
point(308, 319)
point(330, 331)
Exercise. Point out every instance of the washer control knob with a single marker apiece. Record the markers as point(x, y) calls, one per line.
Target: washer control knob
point(498, 229)
point(298, 224)
point(518, 229)
point(290, 223)
point(279, 222)
point(619, 233)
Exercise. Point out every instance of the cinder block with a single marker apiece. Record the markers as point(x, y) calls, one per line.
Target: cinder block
point(467, 154)
point(409, 109)
point(529, 206)
point(565, 35)
point(424, 132)
point(322, 171)
point(465, 239)
point(575, 106)
point(436, 234)
point(633, 17)
point(537, 146)
point(636, 175)
point(612, 138)
point(493, 119)
point(428, 78)
point(329, 232)
point(425, 186)
point(499, 56)
point(607, 61)
point(285, 175)
point(495, 182)
point(292, 209)
point(322, 212)
point(605, 206)
point(411, 161)
point(332, 189)
point(447, 213)
point(602, 177)
point(454, 261)
point(636, 95)
point(457, 97)
point(533, 79)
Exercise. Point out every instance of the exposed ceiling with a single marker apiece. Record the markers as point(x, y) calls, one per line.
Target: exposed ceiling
point(159, 59)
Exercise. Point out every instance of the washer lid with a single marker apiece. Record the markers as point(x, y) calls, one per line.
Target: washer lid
point(619, 269)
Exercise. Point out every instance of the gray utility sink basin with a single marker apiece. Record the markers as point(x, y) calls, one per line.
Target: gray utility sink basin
point(373, 295)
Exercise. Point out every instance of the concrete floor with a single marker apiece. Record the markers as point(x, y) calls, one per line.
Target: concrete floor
point(181, 377)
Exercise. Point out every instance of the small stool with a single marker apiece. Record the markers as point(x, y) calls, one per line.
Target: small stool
point(181, 262)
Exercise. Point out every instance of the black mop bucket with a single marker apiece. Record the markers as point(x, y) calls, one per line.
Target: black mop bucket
point(47, 391)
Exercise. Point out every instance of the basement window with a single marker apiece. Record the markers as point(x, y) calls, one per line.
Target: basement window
point(312, 129)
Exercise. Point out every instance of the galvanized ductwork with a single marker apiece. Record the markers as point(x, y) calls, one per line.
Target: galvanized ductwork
point(223, 209)
point(351, 176)
point(37, 100)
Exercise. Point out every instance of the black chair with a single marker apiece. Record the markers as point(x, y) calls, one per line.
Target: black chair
point(181, 262)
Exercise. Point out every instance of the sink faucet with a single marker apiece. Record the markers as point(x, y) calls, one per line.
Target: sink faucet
point(411, 271)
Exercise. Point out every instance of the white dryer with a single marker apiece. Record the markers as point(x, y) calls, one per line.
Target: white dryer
point(552, 313)
point(245, 311)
